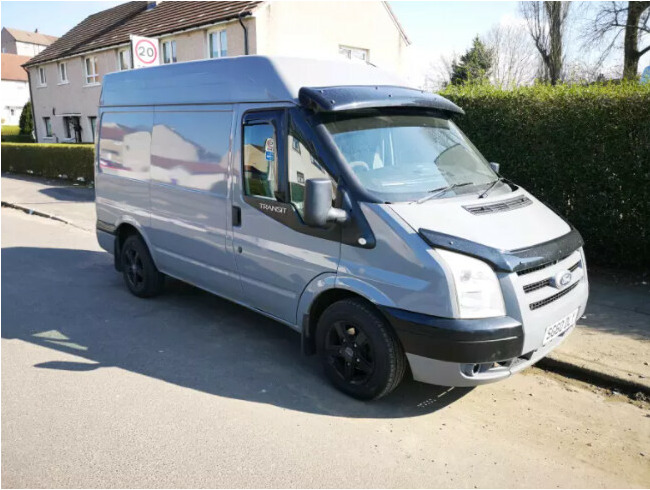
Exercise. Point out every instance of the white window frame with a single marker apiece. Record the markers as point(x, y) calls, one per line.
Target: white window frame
point(62, 79)
point(119, 59)
point(351, 50)
point(218, 32)
point(91, 79)
point(169, 41)
point(42, 77)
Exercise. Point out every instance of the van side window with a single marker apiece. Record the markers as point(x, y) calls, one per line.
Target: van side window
point(303, 165)
point(260, 161)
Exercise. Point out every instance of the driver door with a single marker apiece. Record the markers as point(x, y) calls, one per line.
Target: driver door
point(276, 254)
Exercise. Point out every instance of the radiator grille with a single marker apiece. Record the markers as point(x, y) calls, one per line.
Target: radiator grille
point(529, 288)
point(550, 299)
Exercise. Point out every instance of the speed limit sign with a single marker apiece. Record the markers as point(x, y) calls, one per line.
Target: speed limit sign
point(145, 51)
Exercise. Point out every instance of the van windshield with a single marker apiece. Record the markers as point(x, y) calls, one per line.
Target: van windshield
point(403, 157)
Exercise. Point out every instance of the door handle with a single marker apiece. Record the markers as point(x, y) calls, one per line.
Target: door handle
point(236, 216)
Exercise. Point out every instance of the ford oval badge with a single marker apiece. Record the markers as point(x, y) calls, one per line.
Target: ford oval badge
point(562, 279)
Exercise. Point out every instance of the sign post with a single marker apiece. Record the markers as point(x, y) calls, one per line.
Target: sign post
point(145, 51)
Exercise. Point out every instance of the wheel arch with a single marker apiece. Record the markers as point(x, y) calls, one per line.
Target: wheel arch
point(125, 229)
point(324, 291)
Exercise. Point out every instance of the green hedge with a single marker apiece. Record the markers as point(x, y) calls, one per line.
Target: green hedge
point(585, 150)
point(51, 161)
point(17, 138)
point(10, 130)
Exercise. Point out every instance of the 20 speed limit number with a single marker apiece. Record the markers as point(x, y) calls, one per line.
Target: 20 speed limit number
point(146, 52)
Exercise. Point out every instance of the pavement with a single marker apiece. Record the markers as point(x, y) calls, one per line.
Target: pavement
point(70, 203)
point(103, 389)
point(610, 345)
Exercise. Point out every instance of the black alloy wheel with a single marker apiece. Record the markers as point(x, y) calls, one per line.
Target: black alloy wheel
point(360, 353)
point(141, 276)
point(349, 352)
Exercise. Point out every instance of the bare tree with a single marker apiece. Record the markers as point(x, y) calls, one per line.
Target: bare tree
point(629, 19)
point(438, 73)
point(514, 62)
point(546, 24)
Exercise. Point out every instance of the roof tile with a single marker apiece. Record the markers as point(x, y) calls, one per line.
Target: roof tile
point(31, 37)
point(12, 67)
point(114, 26)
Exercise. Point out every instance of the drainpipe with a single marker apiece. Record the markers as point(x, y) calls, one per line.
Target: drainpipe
point(31, 99)
point(241, 22)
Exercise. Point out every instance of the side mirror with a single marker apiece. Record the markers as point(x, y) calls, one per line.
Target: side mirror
point(318, 210)
point(495, 166)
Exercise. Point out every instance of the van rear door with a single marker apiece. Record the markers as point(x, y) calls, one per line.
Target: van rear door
point(277, 255)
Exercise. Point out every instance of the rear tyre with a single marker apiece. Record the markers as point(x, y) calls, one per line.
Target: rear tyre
point(141, 276)
point(359, 351)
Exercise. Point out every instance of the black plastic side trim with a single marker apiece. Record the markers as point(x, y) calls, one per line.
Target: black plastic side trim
point(286, 214)
point(106, 227)
point(508, 260)
point(456, 340)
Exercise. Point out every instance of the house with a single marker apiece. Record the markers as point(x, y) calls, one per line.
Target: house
point(17, 48)
point(14, 87)
point(66, 77)
point(24, 43)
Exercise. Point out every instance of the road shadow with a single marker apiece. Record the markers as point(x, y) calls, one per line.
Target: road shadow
point(70, 193)
point(617, 321)
point(73, 301)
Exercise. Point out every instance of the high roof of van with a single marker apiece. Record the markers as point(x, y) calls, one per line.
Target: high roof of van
point(236, 79)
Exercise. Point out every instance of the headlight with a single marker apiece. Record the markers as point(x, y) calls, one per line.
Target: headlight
point(477, 287)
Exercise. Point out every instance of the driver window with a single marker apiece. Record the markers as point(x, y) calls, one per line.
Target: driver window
point(260, 161)
point(303, 166)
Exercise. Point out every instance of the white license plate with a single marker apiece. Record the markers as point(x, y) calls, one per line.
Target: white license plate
point(558, 328)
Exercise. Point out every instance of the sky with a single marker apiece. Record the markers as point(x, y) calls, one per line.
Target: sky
point(435, 28)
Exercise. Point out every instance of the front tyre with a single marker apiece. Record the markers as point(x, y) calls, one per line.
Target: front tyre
point(141, 276)
point(360, 353)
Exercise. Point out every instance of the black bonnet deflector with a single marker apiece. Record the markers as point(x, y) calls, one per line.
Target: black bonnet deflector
point(508, 260)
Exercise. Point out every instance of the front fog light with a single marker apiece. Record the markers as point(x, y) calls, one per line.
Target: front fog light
point(477, 288)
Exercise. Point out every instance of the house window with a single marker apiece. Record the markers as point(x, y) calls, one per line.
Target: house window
point(93, 126)
point(90, 65)
point(63, 73)
point(295, 144)
point(48, 127)
point(42, 80)
point(353, 53)
point(169, 52)
point(124, 59)
point(218, 44)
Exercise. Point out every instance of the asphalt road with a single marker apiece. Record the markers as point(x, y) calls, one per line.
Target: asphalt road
point(101, 389)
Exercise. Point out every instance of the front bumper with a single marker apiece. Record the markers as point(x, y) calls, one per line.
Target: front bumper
point(456, 340)
point(455, 352)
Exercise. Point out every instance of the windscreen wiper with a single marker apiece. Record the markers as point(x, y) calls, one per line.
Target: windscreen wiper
point(490, 187)
point(439, 191)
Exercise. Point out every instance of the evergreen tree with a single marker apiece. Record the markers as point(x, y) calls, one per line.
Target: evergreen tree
point(26, 122)
point(474, 66)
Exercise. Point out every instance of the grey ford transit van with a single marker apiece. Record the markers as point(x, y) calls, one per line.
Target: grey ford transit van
point(332, 198)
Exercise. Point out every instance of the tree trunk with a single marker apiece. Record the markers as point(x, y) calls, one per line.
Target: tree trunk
point(554, 11)
point(631, 48)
